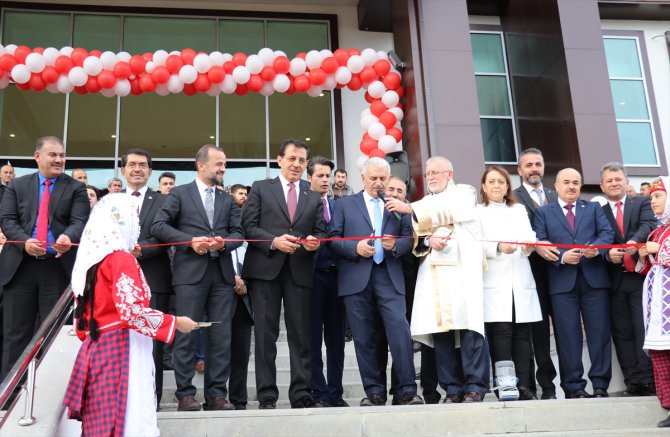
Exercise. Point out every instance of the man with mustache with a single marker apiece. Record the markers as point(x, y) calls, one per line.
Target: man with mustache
point(48, 211)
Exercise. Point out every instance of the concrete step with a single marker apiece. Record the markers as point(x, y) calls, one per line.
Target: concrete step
point(591, 417)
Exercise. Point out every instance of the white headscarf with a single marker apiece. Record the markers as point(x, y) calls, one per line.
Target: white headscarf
point(113, 225)
point(662, 183)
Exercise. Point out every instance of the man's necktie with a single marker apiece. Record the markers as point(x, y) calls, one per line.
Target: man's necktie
point(628, 262)
point(209, 205)
point(291, 200)
point(378, 257)
point(570, 216)
point(326, 216)
point(136, 195)
point(42, 232)
point(540, 196)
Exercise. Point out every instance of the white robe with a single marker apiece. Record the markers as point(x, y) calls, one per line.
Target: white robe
point(141, 418)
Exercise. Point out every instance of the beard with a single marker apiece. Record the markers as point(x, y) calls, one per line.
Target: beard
point(535, 179)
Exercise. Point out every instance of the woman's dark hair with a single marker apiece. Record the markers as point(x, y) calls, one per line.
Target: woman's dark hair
point(509, 197)
point(88, 297)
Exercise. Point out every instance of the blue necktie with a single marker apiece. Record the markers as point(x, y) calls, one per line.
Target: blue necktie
point(378, 257)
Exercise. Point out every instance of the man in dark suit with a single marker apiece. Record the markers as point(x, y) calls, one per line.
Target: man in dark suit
point(532, 194)
point(327, 308)
point(370, 277)
point(632, 220)
point(203, 276)
point(578, 284)
point(136, 168)
point(48, 210)
point(279, 211)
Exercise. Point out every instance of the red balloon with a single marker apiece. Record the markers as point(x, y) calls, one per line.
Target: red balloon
point(355, 83)
point(147, 83)
point(368, 74)
point(368, 145)
point(376, 153)
point(370, 99)
point(122, 70)
point(342, 57)
point(317, 76)
point(268, 73)
point(401, 92)
point(395, 133)
point(135, 87)
point(160, 74)
point(329, 65)
point(39, 50)
point(301, 55)
point(388, 119)
point(189, 89)
point(377, 108)
point(302, 83)
point(7, 62)
point(382, 67)
point(21, 52)
point(229, 66)
point(96, 53)
point(216, 74)
point(202, 83)
point(174, 63)
point(353, 52)
point(137, 64)
point(241, 89)
point(148, 56)
point(92, 85)
point(50, 74)
point(291, 88)
point(281, 64)
point(23, 86)
point(63, 64)
point(81, 90)
point(78, 55)
point(392, 81)
point(255, 83)
point(239, 59)
point(187, 56)
point(36, 82)
point(106, 79)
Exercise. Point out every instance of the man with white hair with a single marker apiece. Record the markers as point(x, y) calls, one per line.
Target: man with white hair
point(448, 311)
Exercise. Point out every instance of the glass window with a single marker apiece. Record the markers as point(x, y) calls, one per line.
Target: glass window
point(242, 126)
point(246, 36)
point(622, 57)
point(148, 34)
point(637, 143)
point(492, 95)
point(498, 137)
point(487, 53)
point(97, 32)
point(629, 99)
point(294, 37)
point(92, 130)
point(36, 29)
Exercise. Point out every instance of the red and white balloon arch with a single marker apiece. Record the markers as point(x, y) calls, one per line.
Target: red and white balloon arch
point(119, 74)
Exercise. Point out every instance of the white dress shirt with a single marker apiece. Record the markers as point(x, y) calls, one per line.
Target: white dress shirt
point(139, 199)
point(284, 185)
point(533, 194)
point(565, 211)
point(369, 204)
point(202, 189)
point(613, 203)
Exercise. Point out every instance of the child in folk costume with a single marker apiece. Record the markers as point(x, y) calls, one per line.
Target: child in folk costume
point(111, 389)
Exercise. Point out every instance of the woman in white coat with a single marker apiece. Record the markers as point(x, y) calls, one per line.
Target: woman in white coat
point(510, 297)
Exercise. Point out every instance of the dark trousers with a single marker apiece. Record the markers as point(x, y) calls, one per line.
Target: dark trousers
point(267, 297)
point(628, 330)
point(429, 379)
point(327, 325)
point(592, 304)
point(464, 369)
point(240, 349)
point(160, 302)
point(380, 297)
point(28, 299)
point(511, 341)
point(541, 348)
point(214, 297)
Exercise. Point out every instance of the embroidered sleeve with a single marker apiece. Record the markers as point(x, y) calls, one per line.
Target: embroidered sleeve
point(663, 256)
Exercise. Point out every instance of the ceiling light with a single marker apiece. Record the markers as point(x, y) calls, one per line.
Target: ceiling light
point(113, 136)
point(11, 135)
point(211, 137)
point(321, 95)
point(307, 139)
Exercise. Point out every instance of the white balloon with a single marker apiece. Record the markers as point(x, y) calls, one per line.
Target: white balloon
point(11, 48)
point(160, 56)
point(325, 53)
point(92, 65)
point(35, 62)
point(108, 92)
point(53, 88)
point(4, 81)
point(360, 162)
point(149, 66)
point(227, 57)
point(122, 87)
point(216, 58)
point(64, 85)
point(202, 63)
point(314, 91)
point(108, 60)
point(174, 84)
point(241, 74)
point(313, 59)
point(162, 89)
point(382, 55)
point(298, 67)
point(369, 57)
point(397, 112)
point(124, 56)
point(78, 76)
point(267, 90)
point(376, 131)
point(279, 53)
point(20, 73)
point(329, 84)
point(188, 74)
point(228, 85)
point(67, 50)
point(267, 55)
point(390, 99)
point(387, 143)
point(342, 75)
point(214, 90)
point(368, 121)
point(281, 83)
point(254, 63)
point(366, 112)
point(376, 89)
point(50, 54)
point(355, 64)
point(174, 52)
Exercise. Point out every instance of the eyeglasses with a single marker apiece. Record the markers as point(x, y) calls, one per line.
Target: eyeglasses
point(435, 173)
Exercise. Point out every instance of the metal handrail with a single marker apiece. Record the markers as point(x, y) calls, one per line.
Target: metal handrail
point(31, 356)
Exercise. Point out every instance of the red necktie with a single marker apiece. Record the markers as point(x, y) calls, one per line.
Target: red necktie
point(291, 200)
point(570, 216)
point(628, 261)
point(42, 232)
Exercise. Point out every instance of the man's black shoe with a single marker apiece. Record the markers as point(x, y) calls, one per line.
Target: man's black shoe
point(526, 395)
point(548, 395)
point(665, 423)
point(577, 394)
point(632, 390)
point(600, 393)
point(267, 404)
point(306, 402)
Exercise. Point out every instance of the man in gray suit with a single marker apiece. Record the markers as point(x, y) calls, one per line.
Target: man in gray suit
point(203, 277)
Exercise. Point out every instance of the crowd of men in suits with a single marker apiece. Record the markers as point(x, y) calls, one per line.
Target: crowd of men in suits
point(365, 274)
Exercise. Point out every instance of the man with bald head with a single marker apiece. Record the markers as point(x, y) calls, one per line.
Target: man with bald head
point(578, 283)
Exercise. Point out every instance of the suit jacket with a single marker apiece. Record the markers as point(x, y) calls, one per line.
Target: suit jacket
point(265, 216)
point(325, 258)
point(638, 221)
point(591, 226)
point(68, 212)
point(351, 218)
point(183, 217)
